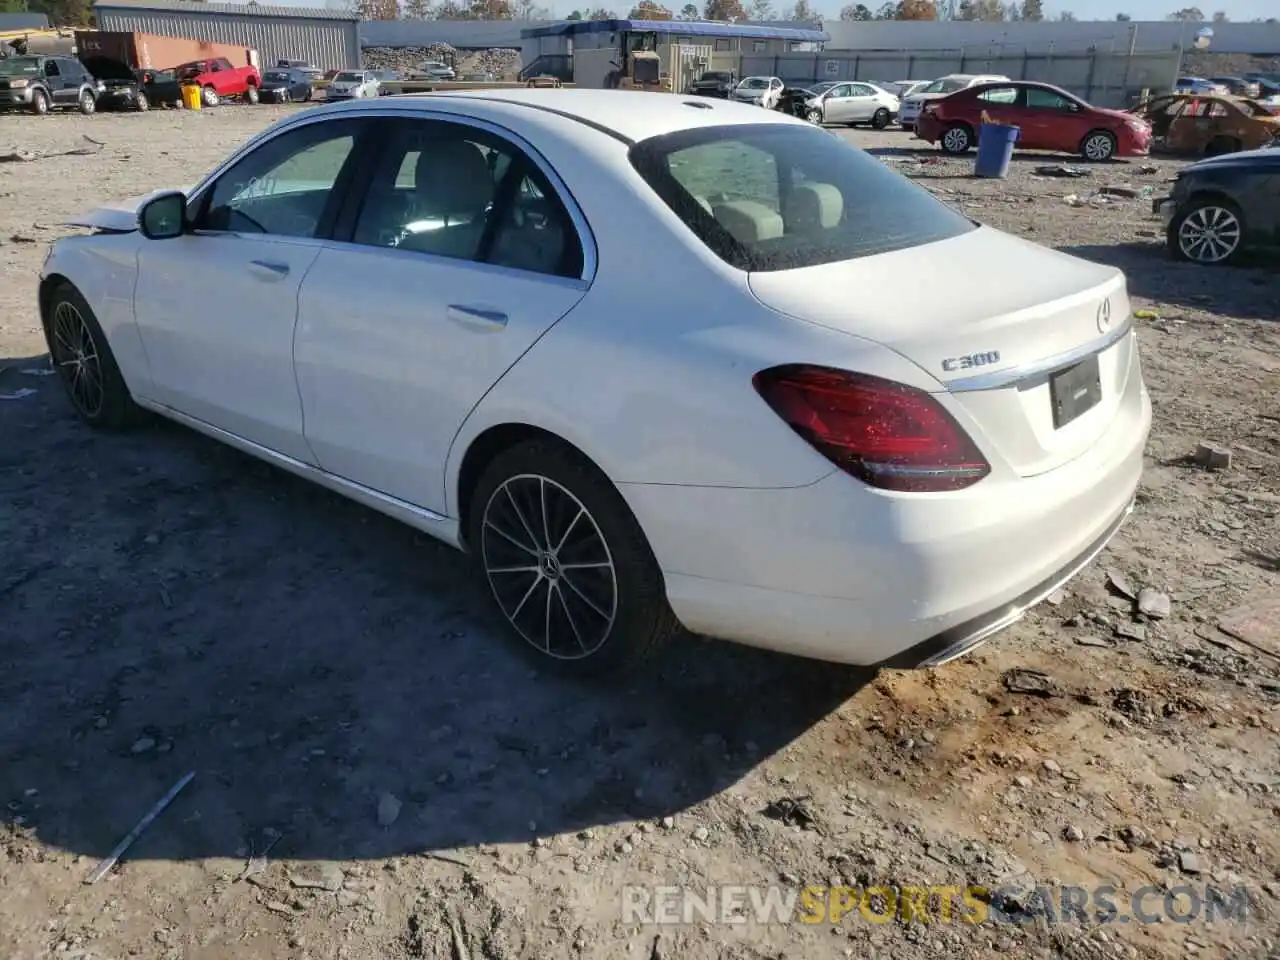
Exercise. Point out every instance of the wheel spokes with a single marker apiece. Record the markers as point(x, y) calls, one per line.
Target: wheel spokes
point(561, 595)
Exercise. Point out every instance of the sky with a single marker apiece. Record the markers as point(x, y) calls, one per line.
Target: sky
point(1083, 9)
point(1159, 9)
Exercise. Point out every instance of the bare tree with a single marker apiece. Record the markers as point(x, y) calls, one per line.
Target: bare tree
point(417, 10)
point(1033, 10)
point(856, 12)
point(688, 12)
point(762, 10)
point(1220, 16)
point(802, 12)
point(1192, 14)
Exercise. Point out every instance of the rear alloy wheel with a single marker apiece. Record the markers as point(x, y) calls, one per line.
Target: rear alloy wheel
point(141, 102)
point(880, 119)
point(1099, 146)
point(251, 95)
point(88, 102)
point(39, 103)
point(209, 96)
point(957, 139)
point(85, 363)
point(1210, 232)
point(566, 562)
point(814, 117)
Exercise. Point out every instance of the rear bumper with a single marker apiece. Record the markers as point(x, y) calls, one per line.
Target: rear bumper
point(840, 572)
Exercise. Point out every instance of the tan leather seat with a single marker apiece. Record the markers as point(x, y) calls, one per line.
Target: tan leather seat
point(748, 221)
point(453, 188)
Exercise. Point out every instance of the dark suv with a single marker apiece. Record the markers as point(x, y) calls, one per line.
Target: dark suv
point(40, 84)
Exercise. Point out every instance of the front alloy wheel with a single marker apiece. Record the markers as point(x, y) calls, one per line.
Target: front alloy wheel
point(75, 356)
point(1208, 234)
point(814, 117)
point(957, 139)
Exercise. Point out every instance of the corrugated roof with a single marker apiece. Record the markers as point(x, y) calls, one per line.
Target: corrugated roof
point(685, 28)
point(232, 9)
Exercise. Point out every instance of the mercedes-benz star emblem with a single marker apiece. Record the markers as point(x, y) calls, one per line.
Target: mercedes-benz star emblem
point(1104, 316)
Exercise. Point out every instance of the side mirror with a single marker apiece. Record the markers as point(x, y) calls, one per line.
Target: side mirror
point(163, 217)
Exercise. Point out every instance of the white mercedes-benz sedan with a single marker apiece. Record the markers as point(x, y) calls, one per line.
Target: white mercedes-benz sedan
point(634, 353)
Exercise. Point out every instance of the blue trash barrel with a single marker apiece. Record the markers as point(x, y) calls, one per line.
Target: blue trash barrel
point(995, 150)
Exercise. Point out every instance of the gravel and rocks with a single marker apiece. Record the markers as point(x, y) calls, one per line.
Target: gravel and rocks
point(502, 62)
point(379, 776)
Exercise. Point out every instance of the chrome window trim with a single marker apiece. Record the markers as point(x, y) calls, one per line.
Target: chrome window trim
point(380, 111)
point(1039, 368)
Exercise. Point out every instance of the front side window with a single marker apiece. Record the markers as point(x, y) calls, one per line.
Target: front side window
point(862, 90)
point(284, 187)
point(1038, 99)
point(450, 190)
point(768, 197)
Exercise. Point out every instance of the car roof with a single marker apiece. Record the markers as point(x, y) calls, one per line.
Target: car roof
point(630, 115)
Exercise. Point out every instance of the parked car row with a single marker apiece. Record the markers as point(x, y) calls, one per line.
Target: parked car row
point(42, 83)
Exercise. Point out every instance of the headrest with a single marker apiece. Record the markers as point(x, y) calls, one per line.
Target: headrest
point(452, 177)
point(816, 206)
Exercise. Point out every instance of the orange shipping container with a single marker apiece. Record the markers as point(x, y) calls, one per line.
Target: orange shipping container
point(151, 51)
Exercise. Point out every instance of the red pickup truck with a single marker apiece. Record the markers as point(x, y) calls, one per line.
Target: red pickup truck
point(219, 80)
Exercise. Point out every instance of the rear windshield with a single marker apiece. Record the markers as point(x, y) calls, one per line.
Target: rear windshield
point(945, 85)
point(778, 196)
point(19, 66)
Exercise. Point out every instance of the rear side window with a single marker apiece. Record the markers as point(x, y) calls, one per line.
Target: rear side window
point(779, 196)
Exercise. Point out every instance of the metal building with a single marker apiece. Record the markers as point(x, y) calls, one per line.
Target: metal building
point(326, 38)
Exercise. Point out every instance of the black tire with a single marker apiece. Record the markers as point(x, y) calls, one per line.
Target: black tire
point(1219, 146)
point(251, 95)
point(87, 103)
point(141, 103)
point(1099, 146)
point(1228, 237)
point(307, 97)
point(209, 97)
point(814, 116)
point(642, 620)
point(39, 103)
point(956, 139)
point(880, 119)
point(114, 408)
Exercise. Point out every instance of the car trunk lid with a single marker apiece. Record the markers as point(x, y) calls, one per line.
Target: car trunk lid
point(998, 321)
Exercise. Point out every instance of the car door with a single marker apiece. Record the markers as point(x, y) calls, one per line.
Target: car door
point(216, 306)
point(835, 105)
point(463, 253)
point(862, 102)
point(1049, 121)
point(1001, 104)
point(57, 83)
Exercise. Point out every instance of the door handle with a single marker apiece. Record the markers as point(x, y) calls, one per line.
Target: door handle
point(476, 317)
point(269, 271)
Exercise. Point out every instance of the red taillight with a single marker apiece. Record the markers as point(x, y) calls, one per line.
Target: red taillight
point(886, 434)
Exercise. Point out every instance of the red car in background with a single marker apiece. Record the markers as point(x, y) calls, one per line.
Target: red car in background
point(219, 80)
point(1048, 117)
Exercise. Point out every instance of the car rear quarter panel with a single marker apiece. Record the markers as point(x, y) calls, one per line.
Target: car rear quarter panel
point(650, 374)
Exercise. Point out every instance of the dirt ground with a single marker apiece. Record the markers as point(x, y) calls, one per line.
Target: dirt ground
point(168, 605)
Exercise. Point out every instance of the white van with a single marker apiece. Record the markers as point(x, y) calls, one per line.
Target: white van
point(913, 103)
